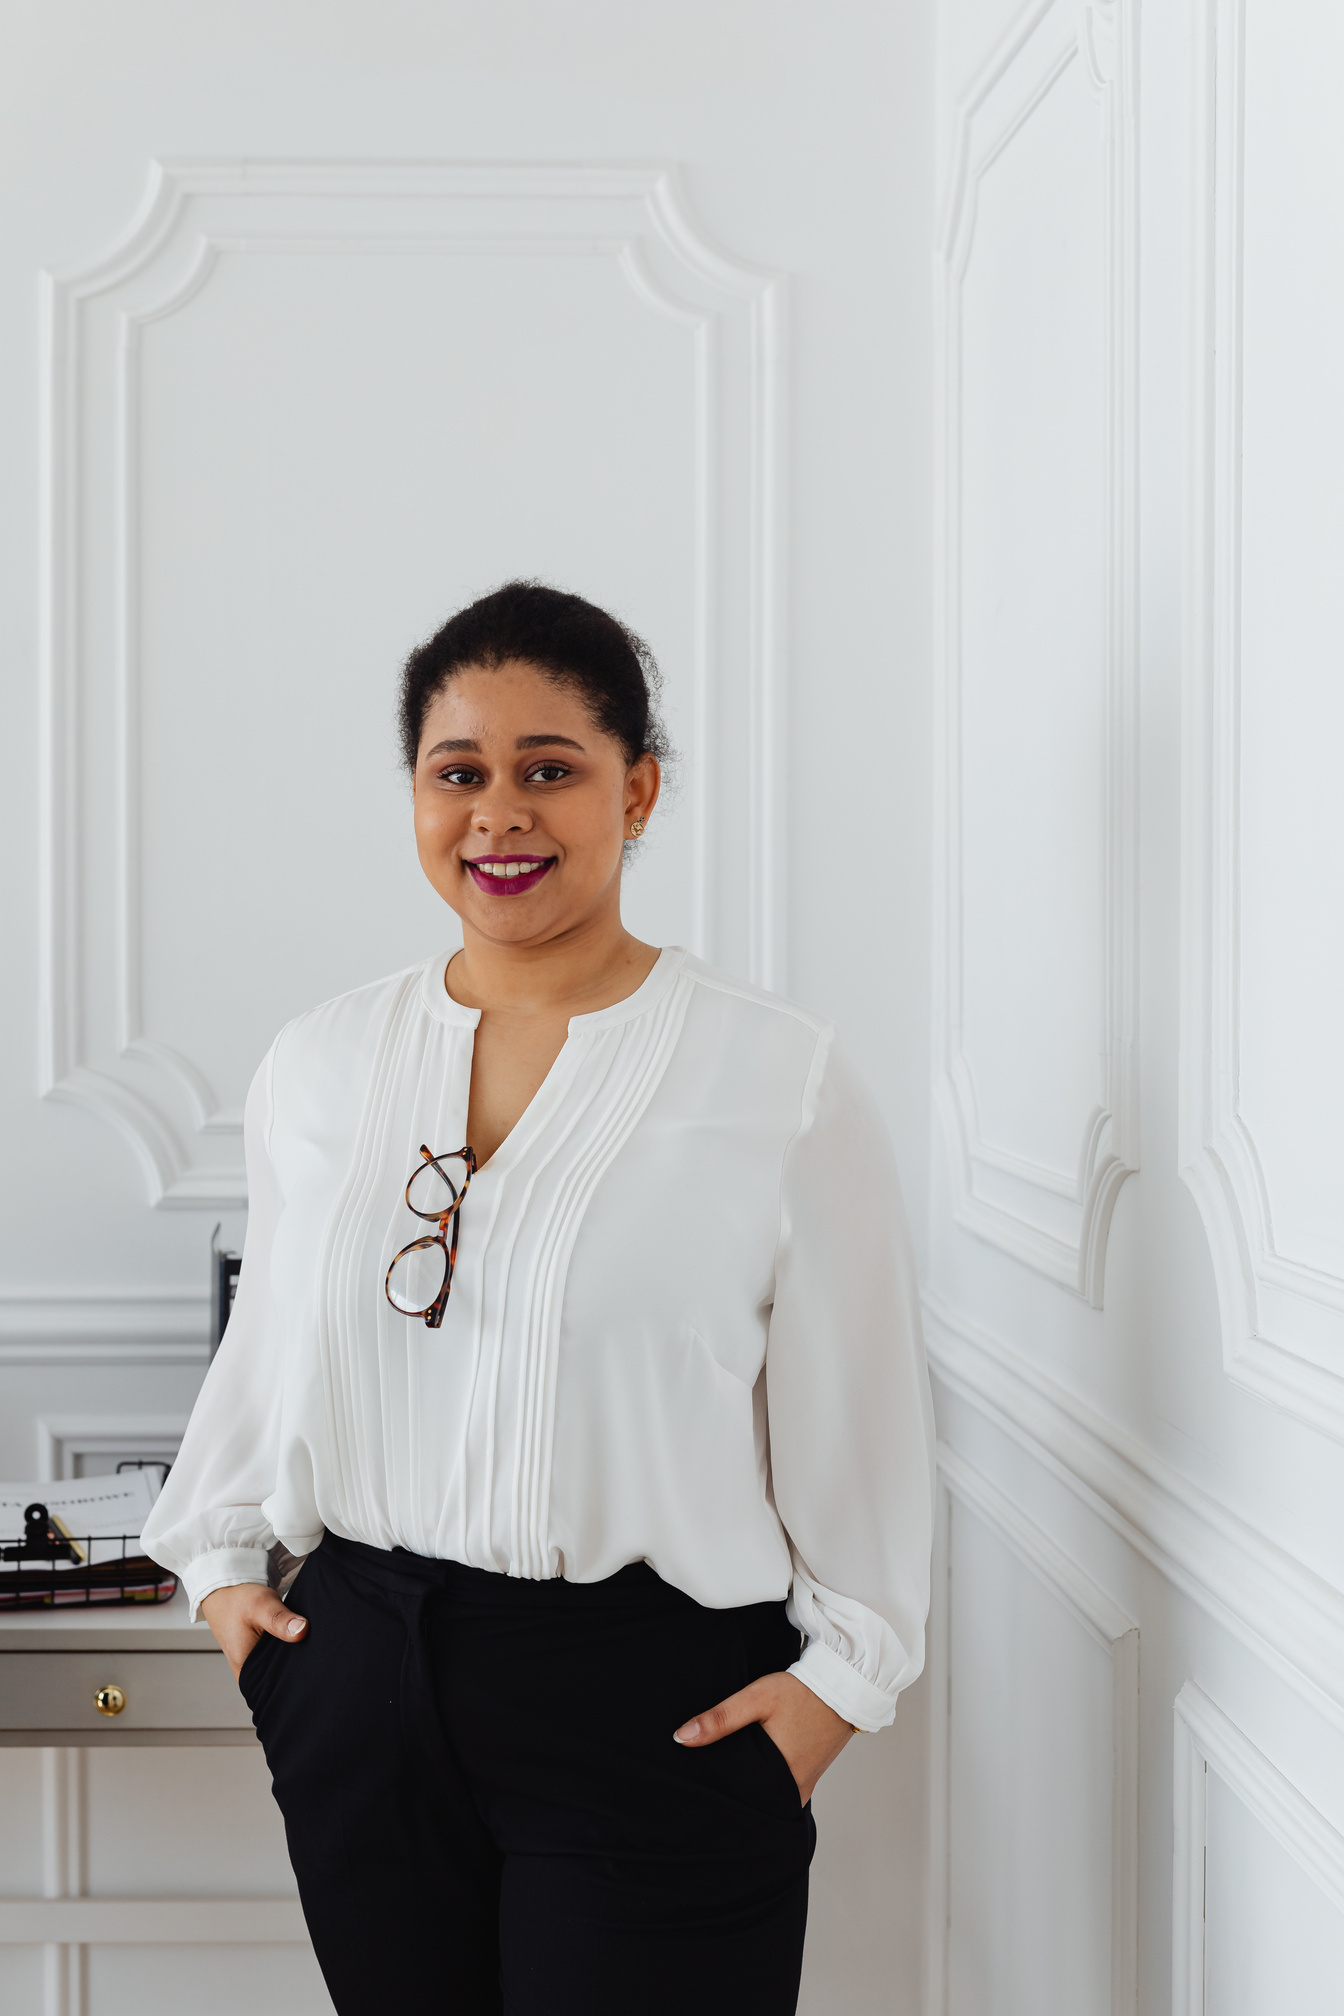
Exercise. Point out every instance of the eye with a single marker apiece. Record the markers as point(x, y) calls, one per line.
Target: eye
point(459, 773)
point(548, 773)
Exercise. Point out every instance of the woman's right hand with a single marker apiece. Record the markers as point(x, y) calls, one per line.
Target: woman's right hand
point(244, 1612)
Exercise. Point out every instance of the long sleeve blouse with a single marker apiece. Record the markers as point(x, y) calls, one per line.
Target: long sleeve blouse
point(683, 1325)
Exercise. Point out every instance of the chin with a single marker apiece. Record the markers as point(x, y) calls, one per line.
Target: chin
point(520, 919)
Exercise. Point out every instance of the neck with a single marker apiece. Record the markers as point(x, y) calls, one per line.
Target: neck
point(592, 964)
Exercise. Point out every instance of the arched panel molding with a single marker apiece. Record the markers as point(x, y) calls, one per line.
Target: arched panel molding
point(99, 1048)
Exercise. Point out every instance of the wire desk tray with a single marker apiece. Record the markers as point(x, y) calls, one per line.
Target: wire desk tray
point(50, 1568)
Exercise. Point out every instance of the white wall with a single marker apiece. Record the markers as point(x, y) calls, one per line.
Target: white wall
point(233, 493)
point(1136, 1269)
point(286, 402)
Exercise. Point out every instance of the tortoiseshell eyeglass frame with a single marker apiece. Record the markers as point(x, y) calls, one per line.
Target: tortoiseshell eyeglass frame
point(433, 1315)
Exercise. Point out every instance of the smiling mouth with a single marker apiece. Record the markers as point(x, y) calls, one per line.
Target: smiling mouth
point(508, 874)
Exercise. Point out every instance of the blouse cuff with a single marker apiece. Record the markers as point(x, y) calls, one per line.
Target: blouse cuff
point(223, 1568)
point(834, 1681)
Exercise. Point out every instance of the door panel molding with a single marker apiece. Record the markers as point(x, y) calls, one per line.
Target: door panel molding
point(1208, 1740)
point(1053, 1218)
point(1116, 1633)
point(1282, 1320)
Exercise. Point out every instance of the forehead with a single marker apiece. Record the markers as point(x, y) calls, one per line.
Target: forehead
point(514, 699)
point(504, 694)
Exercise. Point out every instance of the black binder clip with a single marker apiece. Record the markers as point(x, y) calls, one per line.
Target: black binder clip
point(41, 1541)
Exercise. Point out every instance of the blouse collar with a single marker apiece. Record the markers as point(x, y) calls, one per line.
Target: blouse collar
point(646, 996)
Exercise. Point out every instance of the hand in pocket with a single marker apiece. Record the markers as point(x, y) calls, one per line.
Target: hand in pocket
point(808, 1734)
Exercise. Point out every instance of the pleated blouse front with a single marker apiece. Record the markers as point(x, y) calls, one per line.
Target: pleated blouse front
point(682, 1329)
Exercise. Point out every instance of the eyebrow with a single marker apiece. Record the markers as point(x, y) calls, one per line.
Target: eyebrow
point(467, 746)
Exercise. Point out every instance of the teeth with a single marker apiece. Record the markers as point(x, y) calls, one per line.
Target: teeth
point(506, 870)
point(513, 869)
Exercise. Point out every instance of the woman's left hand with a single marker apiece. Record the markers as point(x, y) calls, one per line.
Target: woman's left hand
point(809, 1735)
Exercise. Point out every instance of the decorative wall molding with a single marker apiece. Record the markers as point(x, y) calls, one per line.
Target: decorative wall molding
point(152, 1921)
point(1282, 1321)
point(143, 1326)
point(64, 1441)
point(1206, 1740)
point(102, 1351)
point(64, 1868)
point(635, 215)
point(1289, 1617)
point(1055, 1221)
point(1118, 1637)
point(65, 1921)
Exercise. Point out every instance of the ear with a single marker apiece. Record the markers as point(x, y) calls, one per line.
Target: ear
point(643, 782)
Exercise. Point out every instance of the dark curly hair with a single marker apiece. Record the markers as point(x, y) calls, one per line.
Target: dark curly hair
point(572, 641)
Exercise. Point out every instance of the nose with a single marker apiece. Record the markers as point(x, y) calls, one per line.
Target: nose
point(498, 809)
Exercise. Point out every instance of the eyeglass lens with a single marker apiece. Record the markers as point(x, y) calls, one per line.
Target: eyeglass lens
point(416, 1277)
point(431, 1193)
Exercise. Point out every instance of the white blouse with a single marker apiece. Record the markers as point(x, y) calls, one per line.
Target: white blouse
point(683, 1326)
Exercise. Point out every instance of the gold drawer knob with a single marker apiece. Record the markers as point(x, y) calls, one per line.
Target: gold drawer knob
point(109, 1700)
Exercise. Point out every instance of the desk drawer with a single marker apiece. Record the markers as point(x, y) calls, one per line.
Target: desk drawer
point(163, 1690)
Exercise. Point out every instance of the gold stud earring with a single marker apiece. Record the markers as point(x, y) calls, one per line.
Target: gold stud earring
point(637, 827)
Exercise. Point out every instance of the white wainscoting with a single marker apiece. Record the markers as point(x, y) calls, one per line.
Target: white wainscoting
point(1027, 1801)
point(1264, 818)
point(266, 337)
point(1289, 1617)
point(1035, 954)
point(1208, 1971)
point(1181, 1444)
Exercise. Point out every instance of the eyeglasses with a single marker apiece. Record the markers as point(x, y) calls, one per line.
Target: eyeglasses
point(421, 1275)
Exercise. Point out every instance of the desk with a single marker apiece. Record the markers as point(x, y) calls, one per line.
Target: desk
point(177, 1686)
point(179, 1693)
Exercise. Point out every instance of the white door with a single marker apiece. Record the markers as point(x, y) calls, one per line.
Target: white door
point(1136, 1273)
point(318, 320)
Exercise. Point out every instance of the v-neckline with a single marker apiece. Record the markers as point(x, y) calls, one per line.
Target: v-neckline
point(502, 1159)
point(567, 1058)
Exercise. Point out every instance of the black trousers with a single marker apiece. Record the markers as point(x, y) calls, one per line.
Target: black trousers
point(485, 1808)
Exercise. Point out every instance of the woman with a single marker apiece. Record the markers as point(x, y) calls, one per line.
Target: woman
point(621, 1532)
